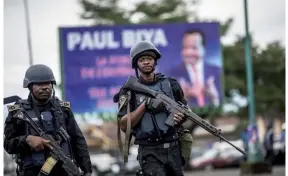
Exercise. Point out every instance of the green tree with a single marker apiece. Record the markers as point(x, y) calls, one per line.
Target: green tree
point(162, 11)
point(269, 77)
point(104, 12)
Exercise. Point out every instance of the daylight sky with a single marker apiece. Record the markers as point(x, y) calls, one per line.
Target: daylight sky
point(267, 23)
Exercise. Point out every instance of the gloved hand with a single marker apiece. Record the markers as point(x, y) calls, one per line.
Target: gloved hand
point(88, 174)
point(154, 105)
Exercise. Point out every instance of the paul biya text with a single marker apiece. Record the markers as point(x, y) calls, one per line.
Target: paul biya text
point(97, 40)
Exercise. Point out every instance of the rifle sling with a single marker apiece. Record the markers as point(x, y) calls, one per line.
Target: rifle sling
point(124, 150)
point(119, 136)
point(127, 135)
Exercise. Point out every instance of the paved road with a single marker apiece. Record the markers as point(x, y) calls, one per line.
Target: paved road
point(277, 171)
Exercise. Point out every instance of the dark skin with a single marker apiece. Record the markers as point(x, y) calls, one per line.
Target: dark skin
point(145, 65)
point(41, 93)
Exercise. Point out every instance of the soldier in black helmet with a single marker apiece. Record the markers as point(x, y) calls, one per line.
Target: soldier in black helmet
point(50, 114)
point(159, 152)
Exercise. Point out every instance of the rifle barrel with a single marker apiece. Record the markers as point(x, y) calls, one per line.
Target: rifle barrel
point(224, 139)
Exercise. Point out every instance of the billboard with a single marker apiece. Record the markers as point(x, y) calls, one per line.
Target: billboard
point(96, 62)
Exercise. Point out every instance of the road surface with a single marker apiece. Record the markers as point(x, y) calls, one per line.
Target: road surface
point(277, 171)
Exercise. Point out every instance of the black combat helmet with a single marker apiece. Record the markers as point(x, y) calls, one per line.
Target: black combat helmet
point(143, 48)
point(38, 73)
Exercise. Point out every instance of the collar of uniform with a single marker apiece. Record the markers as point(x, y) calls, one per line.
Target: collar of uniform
point(141, 80)
point(157, 77)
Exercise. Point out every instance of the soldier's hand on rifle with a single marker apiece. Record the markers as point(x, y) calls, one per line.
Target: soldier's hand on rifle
point(153, 104)
point(179, 117)
point(37, 143)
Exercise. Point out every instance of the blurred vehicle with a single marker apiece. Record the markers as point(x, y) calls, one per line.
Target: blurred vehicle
point(132, 165)
point(215, 158)
point(103, 164)
point(195, 153)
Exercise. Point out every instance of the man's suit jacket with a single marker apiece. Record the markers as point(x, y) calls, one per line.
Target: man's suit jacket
point(180, 72)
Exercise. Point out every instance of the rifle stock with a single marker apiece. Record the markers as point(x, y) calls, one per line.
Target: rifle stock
point(176, 107)
point(134, 85)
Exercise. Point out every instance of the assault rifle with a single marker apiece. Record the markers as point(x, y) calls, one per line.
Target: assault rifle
point(57, 154)
point(174, 108)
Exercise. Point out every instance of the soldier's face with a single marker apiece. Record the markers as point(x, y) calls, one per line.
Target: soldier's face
point(146, 64)
point(42, 91)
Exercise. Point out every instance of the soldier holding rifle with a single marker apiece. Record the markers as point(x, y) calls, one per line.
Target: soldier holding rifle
point(49, 116)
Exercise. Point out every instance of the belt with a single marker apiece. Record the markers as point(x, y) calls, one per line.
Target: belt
point(161, 146)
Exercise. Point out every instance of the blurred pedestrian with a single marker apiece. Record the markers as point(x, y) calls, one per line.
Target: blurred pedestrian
point(268, 143)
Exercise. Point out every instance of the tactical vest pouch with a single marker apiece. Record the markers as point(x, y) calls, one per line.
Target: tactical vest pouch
point(47, 119)
point(186, 141)
point(64, 141)
point(166, 87)
point(35, 159)
point(63, 135)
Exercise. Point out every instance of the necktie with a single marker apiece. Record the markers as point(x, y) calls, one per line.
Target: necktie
point(197, 85)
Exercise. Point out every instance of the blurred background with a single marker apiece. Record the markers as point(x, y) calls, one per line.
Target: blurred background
point(87, 42)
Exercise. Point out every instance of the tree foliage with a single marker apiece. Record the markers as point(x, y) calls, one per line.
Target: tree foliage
point(162, 11)
point(268, 76)
point(105, 12)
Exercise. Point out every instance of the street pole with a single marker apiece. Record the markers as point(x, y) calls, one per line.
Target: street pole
point(27, 22)
point(254, 152)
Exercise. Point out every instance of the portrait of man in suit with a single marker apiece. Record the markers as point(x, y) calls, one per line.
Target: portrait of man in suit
point(198, 78)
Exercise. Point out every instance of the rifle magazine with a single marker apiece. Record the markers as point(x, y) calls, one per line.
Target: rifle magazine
point(48, 165)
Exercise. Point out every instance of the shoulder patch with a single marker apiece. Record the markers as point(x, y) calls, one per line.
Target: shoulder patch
point(65, 104)
point(13, 107)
